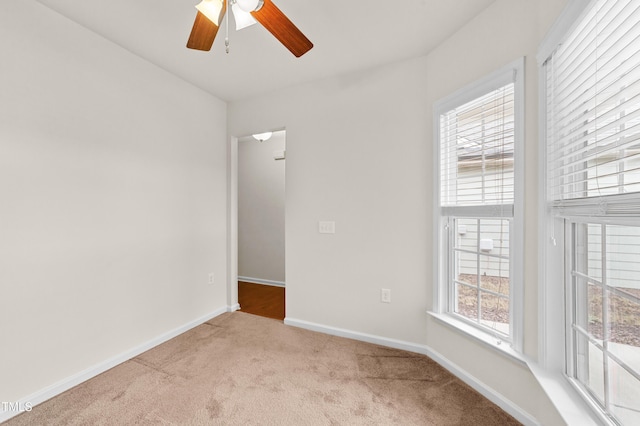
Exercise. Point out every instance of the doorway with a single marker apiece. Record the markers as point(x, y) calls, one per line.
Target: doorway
point(261, 224)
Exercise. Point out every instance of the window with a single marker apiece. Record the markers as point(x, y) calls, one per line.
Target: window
point(592, 201)
point(478, 206)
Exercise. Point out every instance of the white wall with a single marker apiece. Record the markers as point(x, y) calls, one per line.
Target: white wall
point(261, 201)
point(113, 200)
point(360, 153)
point(355, 155)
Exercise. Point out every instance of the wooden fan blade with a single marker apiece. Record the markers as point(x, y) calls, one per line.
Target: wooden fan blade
point(202, 34)
point(282, 28)
point(204, 31)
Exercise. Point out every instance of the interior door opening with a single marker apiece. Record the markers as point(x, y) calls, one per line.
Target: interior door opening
point(261, 224)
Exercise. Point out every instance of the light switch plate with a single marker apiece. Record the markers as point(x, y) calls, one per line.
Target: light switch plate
point(327, 227)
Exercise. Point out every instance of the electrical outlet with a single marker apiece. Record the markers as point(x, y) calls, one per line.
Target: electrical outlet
point(385, 295)
point(211, 278)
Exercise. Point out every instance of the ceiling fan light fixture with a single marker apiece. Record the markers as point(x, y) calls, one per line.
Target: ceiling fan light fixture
point(211, 9)
point(250, 5)
point(211, 12)
point(262, 136)
point(243, 19)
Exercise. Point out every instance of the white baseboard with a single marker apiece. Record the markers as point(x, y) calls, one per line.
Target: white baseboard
point(233, 308)
point(493, 396)
point(261, 281)
point(66, 384)
point(489, 393)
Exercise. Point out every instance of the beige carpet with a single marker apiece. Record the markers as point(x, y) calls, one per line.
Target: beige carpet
point(240, 369)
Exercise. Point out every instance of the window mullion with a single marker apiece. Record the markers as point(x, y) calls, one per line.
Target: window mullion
point(571, 290)
point(605, 318)
point(452, 291)
point(478, 294)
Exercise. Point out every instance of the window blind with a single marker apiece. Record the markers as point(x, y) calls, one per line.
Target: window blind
point(477, 153)
point(593, 114)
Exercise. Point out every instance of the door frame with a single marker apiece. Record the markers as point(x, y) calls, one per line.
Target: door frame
point(232, 225)
point(232, 220)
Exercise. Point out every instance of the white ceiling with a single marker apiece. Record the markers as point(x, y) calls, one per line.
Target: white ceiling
point(348, 35)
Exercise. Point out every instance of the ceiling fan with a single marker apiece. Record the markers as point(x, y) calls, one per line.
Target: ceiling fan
point(246, 13)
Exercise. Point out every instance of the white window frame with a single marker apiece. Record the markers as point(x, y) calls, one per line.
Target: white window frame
point(551, 251)
point(554, 305)
point(510, 73)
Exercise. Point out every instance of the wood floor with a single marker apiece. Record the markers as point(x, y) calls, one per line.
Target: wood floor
point(264, 300)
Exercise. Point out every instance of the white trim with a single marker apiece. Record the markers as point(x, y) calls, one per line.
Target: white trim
point(493, 81)
point(232, 221)
point(551, 297)
point(543, 343)
point(493, 396)
point(490, 210)
point(233, 308)
point(573, 408)
point(439, 296)
point(232, 224)
point(516, 298)
point(82, 376)
point(261, 281)
point(560, 28)
point(488, 340)
point(355, 335)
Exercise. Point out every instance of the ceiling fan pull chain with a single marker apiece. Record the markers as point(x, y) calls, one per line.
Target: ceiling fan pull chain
point(226, 39)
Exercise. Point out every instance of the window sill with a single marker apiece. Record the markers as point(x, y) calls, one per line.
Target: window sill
point(503, 348)
point(571, 406)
